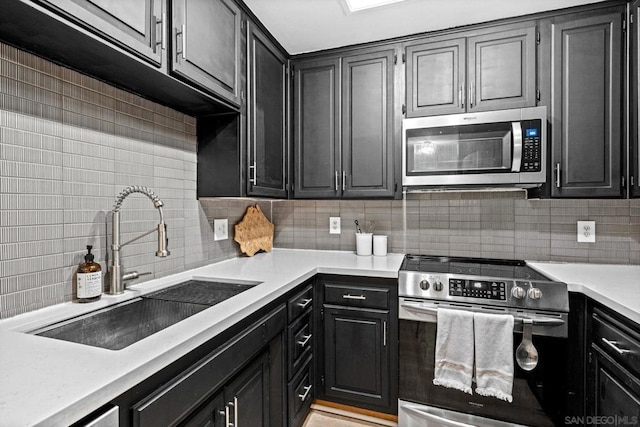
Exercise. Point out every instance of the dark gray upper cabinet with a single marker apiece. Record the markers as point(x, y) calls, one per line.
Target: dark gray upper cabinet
point(266, 117)
point(316, 102)
point(206, 45)
point(367, 124)
point(344, 126)
point(586, 97)
point(135, 25)
point(487, 69)
point(634, 142)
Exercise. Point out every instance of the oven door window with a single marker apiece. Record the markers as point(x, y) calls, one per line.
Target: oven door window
point(459, 149)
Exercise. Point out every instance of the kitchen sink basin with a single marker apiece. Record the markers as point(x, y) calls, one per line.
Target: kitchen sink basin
point(119, 326)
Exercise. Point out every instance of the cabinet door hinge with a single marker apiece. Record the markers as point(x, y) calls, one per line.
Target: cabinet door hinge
point(322, 314)
point(395, 187)
point(538, 37)
point(404, 58)
point(624, 25)
point(404, 109)
point(623, 182)
point(632, 181)
point(537, 95)
point(395, 59)
point(322, 381)
point(590, 357)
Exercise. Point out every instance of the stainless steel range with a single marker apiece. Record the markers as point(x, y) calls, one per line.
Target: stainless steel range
point(540, 309)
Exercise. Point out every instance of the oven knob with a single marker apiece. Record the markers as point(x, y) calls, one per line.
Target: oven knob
point(424, 284)
point(518, 293)
point(535, 293)
point(437, 286)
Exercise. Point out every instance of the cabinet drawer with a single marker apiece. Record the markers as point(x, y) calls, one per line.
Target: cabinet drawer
point(617, 340)
point(300, 394)
point(300, 340)
point(356, 296)
point(300, 302)
point(173, 401)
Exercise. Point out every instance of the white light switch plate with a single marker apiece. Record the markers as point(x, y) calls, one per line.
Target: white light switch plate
point(220, 229)
point(334, 225)
point(587, 231)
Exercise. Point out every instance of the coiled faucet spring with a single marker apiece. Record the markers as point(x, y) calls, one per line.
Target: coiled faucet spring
point(117, 278)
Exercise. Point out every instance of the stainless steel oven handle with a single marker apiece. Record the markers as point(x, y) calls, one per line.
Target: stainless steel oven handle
point(432, 417)
point(537, 321)
point(516, 128)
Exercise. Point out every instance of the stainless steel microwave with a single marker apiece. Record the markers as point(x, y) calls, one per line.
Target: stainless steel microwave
point(492, 148)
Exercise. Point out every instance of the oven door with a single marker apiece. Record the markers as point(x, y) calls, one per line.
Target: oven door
point(538, 395)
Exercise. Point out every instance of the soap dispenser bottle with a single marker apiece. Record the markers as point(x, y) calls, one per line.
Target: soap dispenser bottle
point(89, 279)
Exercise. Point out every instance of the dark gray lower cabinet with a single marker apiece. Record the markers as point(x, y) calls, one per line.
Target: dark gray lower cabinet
point(359, 346)
point(300, 344)
point(241, 382)
point(613, 379)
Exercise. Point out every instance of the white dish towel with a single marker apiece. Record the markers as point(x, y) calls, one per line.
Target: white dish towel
point(454, 350)
point(494, 355)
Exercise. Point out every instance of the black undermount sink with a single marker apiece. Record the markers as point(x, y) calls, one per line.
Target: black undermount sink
point(121, 325)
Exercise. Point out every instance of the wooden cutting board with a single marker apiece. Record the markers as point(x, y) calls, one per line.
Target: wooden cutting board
point(254, 232)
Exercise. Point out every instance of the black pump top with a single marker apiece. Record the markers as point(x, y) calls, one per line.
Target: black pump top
point(89, 256)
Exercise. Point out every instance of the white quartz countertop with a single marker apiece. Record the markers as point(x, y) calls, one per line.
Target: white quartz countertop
point(45, 381)
point(48, 382)
point(615, 286)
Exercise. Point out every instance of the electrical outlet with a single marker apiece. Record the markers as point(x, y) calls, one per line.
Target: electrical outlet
point(587, 231)
point(220, 229)
point(334, 225)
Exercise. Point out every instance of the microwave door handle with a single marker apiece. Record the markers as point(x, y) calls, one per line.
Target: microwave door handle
point(516, 128)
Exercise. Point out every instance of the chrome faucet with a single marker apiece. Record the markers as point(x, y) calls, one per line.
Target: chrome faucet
point(117, 279)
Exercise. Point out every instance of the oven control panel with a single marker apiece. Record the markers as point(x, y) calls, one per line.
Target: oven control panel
point(483, 289)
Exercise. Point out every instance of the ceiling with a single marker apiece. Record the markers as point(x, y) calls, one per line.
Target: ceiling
point(310, 25)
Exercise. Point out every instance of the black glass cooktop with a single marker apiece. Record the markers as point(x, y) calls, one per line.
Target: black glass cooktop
point(486, 267)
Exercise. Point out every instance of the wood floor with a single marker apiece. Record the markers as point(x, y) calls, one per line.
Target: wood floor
point(324, 419)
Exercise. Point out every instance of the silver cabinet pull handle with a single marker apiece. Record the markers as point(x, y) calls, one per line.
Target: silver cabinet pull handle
point(254, 174)
point(336, 183)
point(357, 297)
point(227, 420)
point(305, 303)
point(235, 411)
point(305, 340)
point(304, 396)
point(183, 41)
point(614, 345)
point(344, 180)
point(384, 333)
point(470, 95)
point(557, 175)
point(164, 31)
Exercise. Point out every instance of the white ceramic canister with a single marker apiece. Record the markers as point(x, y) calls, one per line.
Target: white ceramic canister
point(380, 245)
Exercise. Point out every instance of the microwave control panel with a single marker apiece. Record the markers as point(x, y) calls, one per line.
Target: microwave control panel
point(531, 145)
